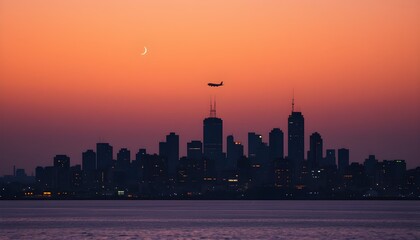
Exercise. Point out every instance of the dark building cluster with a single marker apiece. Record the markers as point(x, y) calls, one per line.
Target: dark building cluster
point(209, 173)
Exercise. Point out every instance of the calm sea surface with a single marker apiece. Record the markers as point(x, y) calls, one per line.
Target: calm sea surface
point(209, 219)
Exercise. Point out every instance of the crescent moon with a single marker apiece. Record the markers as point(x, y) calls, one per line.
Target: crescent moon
point(145, 51)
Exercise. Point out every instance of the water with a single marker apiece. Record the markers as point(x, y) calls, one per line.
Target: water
point(209, 220)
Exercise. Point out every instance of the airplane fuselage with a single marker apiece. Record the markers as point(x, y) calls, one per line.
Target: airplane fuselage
point(215, 84)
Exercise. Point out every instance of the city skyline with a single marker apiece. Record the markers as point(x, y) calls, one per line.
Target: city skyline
point(74, 73)
point(217, 145)
point(206, 172)
point(244, 142)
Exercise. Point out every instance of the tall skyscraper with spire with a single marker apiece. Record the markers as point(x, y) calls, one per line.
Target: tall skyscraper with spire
point(213, 139)
point(296, 138)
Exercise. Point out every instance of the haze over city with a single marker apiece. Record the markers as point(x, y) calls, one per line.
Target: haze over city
point(72, 74)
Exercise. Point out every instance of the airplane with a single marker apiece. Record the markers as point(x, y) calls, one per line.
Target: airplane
point(215, 84)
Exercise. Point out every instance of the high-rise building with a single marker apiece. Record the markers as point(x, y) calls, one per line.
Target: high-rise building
point(213, 140)
point(296, 144)
point(315, 156)
point(371, 165)
point(62, 162)
point(123, 158)
point(330, 159)
point(276, 144)
point(61, 173)
point(296, 138)
point(343, 159)
point(235, 150)
point(89, 160)
point(393, 173)
point(163, 149)
point(172, 148)
point(195, 150)
point(254, 144)
point(104, 156)
point(140, 154)
point(89, 168)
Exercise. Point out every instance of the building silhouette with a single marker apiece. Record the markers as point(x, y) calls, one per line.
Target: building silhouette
point(258, 154)
point(296, 137)
point(89, 160)
point(61, 179)
point(213, 142)
point(276, 144)
point(235, 150)
point(370, 168)
point(172, 152)
point(343, 159)
point(254, 144)
point(296, 144)
point(104, 156)
point(140, 154)
point(206, 173)
point(123, 158)
point(330, 158)
point(315, 154)
point(89, 175)
point(195, 150)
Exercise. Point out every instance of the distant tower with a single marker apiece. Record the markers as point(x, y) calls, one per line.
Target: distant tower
point(62, 162)
point(213, 139)
point(276, 144)
point(315, 155)
point(330, 159)
point(296, 138)
point(254, 145)
point(195, 150)
point(123, 158)
point(170, 151)
point(172, 147)
point(104, 156)
point(140, 154)
point(235, 150)
point(61, 173)
point(89, 160)
point(343, 159)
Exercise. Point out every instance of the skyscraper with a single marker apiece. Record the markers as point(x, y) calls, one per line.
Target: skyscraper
point(62, 162)
point(89, 160)
point(213, 139)
point(315, 155)
point(169, 150)
point(296, 143)
point(296, 138)
point(104, 156)
point(254, 144)
point(235, 150)
point(61, 173)
point(163, 149)
point(276, 144)
point(330, 159)
point(123, 158)
point(343, 159)
point(195, 150)
point(140, 154)
point(172, 148)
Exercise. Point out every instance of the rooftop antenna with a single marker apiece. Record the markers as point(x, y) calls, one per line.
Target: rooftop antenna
point(213, 108)
point(293, 101)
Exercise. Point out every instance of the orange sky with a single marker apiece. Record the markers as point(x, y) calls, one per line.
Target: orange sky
point(71, 74)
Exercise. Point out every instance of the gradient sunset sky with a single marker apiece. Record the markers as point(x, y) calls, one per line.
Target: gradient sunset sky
point(72, 74)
